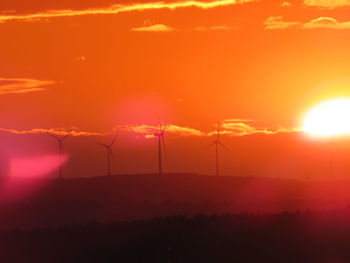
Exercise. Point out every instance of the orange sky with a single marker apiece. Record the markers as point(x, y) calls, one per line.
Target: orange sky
point(104, 66)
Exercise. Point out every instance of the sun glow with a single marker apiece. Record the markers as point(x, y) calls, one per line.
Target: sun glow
point(330, 118)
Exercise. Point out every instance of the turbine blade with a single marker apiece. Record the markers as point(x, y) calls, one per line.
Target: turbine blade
point(54, 136)
point(102, 144)
point(212, 144)
point(113, 141)
point(165, 127)
point(65, 136)
point(223, 146)
point(111, 153)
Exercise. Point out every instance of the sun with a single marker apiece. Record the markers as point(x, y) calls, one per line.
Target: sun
point(329, 118)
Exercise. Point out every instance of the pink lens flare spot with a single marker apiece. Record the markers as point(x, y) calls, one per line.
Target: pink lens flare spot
point(36, 166)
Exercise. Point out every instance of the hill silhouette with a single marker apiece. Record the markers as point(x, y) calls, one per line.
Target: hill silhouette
point(28, 203)
point(288, 237)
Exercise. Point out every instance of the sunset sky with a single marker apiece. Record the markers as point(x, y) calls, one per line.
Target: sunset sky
point(118, 67)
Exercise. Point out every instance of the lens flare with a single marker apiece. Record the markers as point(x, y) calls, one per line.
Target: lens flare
point(36, 166)
point(328, 119)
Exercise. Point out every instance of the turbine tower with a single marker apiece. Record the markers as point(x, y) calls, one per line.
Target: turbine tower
point(109, 154)
point(60, 141)
point(161, 146)
point(217, 143)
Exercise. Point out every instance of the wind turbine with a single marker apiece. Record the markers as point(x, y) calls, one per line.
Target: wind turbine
point(217, 143)
point(60, 141)
point(109, 154)
point(161, 145)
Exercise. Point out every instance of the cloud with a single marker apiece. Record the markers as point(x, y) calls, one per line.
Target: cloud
point(148, 131)
point(165, 28)
point(116, 9)
point(206, 28)
point(144, 130)
point(277, 22)
point(54, 131)
point(238, 120)
point(237, 127)
point(330, 4)
point(286, 4)
point(153, 28)
point(230, 127)
point(21, 85)
point(326, 22)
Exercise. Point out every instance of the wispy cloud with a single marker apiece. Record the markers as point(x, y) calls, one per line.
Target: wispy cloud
point(239, 127)
point(165, 28)
point(143, 130)
point(286, 4)
point(238, 120)
point(22, 85)
point(55, 131)
point(116, 9)
point(326, 22)
point(230, 127)
point(149, 130)
point(277, 22)
point(153, 28)
point(330, 4)
point(210, 28)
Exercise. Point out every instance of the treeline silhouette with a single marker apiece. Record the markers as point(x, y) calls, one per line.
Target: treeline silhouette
point(287, 237)
point(28, 203)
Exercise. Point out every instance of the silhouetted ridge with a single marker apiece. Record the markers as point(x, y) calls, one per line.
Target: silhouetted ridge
point(41, 202)
point(287, 237)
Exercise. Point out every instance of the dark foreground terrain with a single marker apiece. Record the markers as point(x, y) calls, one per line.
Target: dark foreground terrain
point(308, 237)
point(30, 203)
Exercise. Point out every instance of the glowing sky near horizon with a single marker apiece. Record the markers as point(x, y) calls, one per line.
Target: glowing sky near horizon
point(117, 66)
